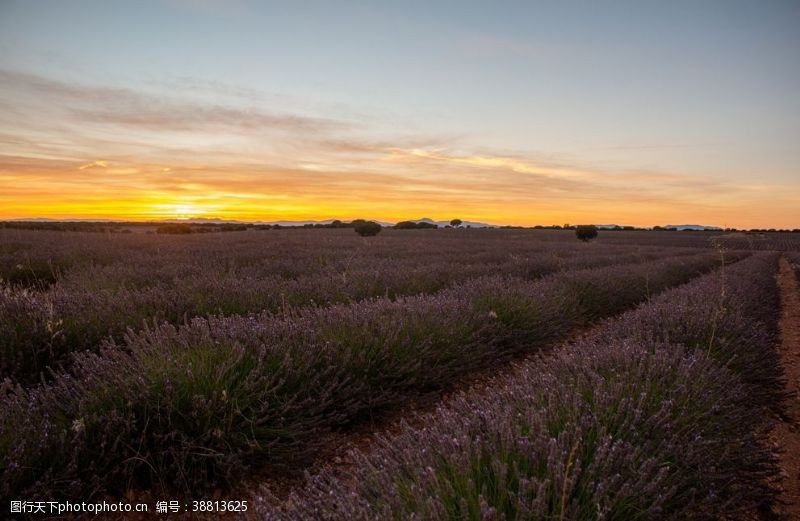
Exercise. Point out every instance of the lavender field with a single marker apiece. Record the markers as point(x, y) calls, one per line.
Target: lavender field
point(494, 373)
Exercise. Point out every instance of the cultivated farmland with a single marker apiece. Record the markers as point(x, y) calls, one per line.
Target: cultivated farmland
point(429, 374)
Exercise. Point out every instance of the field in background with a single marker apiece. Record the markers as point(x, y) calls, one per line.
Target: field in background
point(188, 364)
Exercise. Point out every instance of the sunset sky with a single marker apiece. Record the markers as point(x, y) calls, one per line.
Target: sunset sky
point(524, 113)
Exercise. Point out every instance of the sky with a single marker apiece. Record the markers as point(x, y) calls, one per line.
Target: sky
point(626, 112)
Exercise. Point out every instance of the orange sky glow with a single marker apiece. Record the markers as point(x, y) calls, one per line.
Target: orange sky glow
point(389, 185)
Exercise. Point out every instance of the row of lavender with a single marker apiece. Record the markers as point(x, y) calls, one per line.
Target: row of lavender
point(145, 260)
point(36, 258)
point(95, 263)
point(658, 415)
point(41, 328)
point(753, 241)
point(199, 404)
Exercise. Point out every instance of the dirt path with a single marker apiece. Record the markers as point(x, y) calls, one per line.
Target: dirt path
point(786, 433)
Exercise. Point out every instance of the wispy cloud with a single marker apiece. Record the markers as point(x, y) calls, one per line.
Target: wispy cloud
point(99, 163)
point(128, 108)
point(166, 115)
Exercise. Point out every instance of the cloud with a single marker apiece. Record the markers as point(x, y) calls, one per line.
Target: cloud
point(166, 115)
point(98, 163)
point(33, 84)
point(215, 87)
point(558, 175)
point(127, 108)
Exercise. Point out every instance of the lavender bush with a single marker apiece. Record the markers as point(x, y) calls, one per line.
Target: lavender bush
point(196, 405)
point(618, 425)
point(106, 295)
point(31, 334)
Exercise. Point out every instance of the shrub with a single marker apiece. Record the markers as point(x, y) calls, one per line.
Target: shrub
point(174, 229)
point(646, 419)
point(32, 336)
point(37, 274)
point(586, 232)
point(411, 225)
point(621, 432)
point(198, 404)
point(406, 225)
point(124, 283)
point(226, 227)
point(422, 225)
point(367, 228)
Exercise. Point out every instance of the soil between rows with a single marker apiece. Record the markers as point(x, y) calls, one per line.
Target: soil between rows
point(785, 436)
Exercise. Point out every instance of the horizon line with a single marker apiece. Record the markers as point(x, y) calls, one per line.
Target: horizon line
point(302, 222)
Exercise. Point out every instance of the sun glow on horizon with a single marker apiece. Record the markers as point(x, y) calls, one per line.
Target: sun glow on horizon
point(493, 189)
point(184, 211)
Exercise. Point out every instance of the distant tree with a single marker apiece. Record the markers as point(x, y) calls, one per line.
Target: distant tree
point(586, 232)
point(229, 227)
point(336, 223)
point(455, 223)
point(406, 225)
point(366, 228)
point(174, 229)
point(411, 225)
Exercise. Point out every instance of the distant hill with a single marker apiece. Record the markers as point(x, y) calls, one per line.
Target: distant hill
point(693, 227)
point(203, 220)
point(303, 223)
point(609, 226)
point(49, 220)
point(441, 224)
